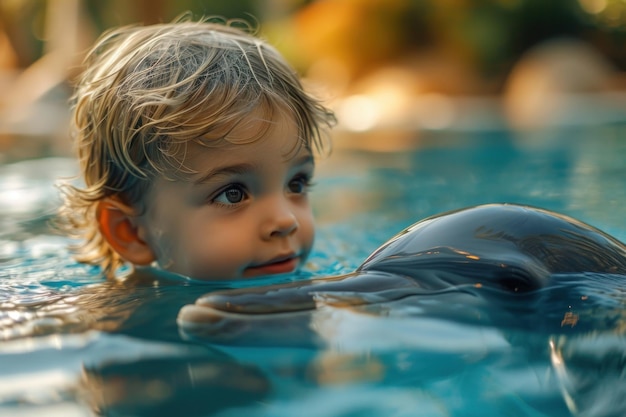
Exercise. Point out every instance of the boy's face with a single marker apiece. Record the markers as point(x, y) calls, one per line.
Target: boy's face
point(245, 213)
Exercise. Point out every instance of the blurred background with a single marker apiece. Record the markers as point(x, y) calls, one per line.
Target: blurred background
point(392, 67)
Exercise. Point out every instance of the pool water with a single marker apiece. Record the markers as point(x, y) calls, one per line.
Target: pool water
point(73, 344)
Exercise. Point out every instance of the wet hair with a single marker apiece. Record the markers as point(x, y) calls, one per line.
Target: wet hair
point(149, 91)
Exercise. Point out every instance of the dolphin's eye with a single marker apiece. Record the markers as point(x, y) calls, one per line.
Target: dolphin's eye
point(516, 279)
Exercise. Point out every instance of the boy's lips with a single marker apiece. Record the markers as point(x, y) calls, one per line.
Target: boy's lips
point(278, 265)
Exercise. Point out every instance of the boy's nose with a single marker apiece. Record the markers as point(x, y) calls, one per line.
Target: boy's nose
point(280, 220)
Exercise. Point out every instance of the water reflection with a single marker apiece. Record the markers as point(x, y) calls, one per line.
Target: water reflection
point(591, 371)
point(105, 374)
point(115, 346)
point(172, 386)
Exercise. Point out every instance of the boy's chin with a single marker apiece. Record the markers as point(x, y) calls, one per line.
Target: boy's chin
point(150, 273)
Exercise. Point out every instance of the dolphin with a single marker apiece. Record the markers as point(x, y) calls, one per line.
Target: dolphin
point(493, 251)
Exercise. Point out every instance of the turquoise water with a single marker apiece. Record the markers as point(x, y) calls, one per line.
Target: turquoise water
point(74, 345)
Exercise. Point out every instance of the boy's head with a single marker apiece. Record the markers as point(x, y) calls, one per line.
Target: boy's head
point(195, 141)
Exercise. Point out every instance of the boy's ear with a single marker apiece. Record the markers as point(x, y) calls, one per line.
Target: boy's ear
point(116, 225)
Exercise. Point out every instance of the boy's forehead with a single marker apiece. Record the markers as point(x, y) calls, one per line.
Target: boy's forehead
point(260, 136)
point(282, 149)
point(264, 120)
point(201, 159)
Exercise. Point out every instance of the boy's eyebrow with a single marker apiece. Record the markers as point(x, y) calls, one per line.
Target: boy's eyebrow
point(244, 168)
point(237, 169)
point(303, 160)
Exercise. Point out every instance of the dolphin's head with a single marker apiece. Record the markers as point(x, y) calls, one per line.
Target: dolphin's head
point(511, 247)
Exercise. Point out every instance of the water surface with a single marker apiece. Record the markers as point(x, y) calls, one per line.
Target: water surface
point(74, 344)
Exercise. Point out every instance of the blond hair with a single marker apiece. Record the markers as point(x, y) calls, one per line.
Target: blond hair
point(147, 91)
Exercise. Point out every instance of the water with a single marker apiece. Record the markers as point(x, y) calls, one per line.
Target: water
point(75, 345)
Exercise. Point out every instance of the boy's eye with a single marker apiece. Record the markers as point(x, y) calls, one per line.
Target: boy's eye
point(232, 195)
point(299, 185)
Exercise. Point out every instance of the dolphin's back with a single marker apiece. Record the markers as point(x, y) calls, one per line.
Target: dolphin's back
point(510, 246)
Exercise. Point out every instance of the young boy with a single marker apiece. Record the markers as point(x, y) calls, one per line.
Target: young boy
point(195, 142)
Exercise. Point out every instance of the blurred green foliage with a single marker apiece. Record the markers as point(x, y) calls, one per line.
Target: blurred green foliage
point(486, 35)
